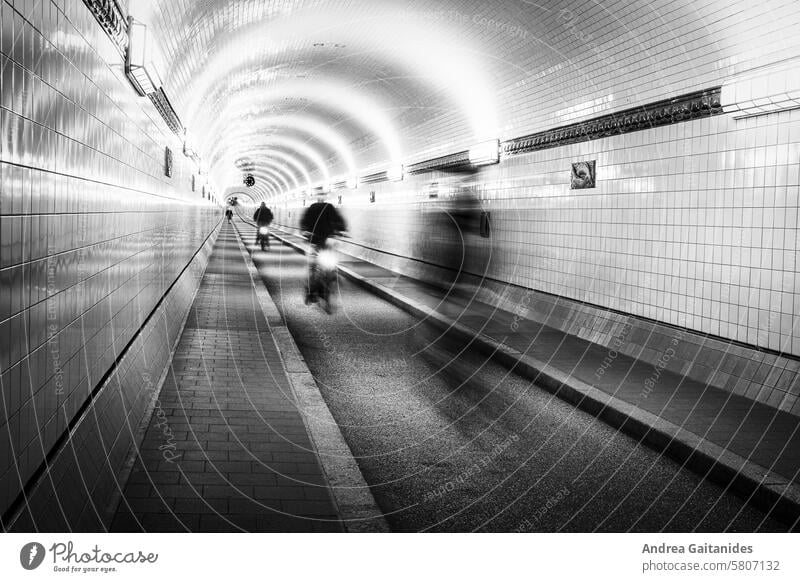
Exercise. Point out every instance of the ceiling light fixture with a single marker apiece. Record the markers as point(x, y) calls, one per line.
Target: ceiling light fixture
point(485, 153)
point(395, 173)
point(139, 66)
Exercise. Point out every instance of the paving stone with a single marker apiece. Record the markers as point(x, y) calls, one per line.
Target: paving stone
point(227, 444)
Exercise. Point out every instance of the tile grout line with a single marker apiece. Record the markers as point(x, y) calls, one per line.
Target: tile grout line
point(351, 495)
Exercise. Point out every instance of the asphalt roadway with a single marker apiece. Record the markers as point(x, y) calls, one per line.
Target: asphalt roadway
point(449, 441)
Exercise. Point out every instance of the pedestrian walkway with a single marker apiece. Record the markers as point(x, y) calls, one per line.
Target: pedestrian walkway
point(767, 440)
point(226, 449)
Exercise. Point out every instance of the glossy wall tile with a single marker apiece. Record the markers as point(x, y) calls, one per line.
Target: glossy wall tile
point(693, 224)
point(92, 233)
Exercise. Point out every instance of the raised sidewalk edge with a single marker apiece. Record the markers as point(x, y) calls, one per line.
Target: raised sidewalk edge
point(758, 485)
point(353, 499)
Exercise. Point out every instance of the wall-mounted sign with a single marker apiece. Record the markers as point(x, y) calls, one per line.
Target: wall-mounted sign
point(372, 196)
point(194, 182)
point(486, 224)
point(583, 175)
point(168, 162)
point(340, 199)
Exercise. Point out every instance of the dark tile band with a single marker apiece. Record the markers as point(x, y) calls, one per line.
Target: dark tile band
point(683, 108)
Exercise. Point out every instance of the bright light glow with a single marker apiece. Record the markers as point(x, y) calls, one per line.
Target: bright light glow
point(263, 230)
point(269, 184)
point(280, 170)
point(291, 160)
point(441, 58)
point(433, 51)
point(327, 260)
point(232, 147)
point(354, 103)
point(238, 63)
point(352, 182)
point(137, 42)
point(484, 153)
point(395, 173)
point(263, 172)
point(251, 121)
point(270, 156)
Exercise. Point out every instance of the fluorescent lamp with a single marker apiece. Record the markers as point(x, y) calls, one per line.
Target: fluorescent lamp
point(484, 153)
point(395, 173)
point(139, 66)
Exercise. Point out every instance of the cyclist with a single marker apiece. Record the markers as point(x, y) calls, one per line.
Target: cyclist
point(263, 217)
point(321, 220)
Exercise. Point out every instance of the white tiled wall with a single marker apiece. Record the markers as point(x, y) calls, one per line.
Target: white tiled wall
point(693, 224)
point(92, 233)
point(578, 59)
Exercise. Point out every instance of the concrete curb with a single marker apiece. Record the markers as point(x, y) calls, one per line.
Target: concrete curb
point(758, 485)
point(357, 507)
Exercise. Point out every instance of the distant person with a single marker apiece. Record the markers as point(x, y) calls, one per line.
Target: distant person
point(229, 214)
point(263, 217)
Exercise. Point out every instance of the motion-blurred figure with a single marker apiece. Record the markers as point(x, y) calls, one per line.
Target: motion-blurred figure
point(461, 250)
point(321, 221)
point(263, 217)
point(229, 214)
point(459, 228)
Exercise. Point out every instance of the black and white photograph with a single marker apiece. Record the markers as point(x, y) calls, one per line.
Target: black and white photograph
point(282, 270)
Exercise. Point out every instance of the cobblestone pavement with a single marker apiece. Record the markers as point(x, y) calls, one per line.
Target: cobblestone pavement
point(226, 448)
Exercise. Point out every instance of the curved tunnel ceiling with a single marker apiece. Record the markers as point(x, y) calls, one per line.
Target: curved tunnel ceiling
point(331, 85)
point(314, 90)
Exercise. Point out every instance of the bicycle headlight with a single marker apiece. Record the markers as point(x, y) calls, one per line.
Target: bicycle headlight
point(327, 260)
point(263, 230)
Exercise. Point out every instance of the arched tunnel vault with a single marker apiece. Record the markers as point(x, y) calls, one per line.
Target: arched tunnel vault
point(243, 197)
point(346, 80)
point(394, 81)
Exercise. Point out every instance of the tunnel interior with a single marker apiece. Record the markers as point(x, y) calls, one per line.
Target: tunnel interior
point(628, 174)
